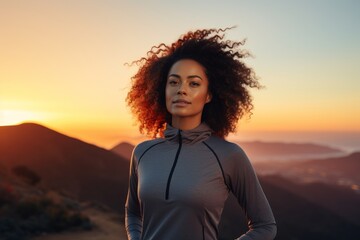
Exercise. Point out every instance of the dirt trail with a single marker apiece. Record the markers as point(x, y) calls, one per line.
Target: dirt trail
point(108, 228)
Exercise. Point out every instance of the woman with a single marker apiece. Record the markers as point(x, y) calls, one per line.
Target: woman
point(192, 93)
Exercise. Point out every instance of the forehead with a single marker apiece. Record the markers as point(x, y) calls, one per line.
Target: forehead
point(187, 67)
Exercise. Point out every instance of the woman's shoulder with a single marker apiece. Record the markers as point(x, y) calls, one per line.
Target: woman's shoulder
point(223, 145)
point(143, 146)
point(227, 152)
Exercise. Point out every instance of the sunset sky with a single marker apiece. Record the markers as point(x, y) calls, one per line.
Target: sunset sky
point(62, 62)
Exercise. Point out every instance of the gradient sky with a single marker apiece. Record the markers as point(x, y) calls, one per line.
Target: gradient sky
point(62, 62)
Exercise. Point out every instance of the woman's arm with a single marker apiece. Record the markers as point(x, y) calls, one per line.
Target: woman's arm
point(246, 187)
point(133, 223)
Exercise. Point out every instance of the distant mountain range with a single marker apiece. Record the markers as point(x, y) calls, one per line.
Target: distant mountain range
point(259, 151)
point(89, 173)
point(336, 171)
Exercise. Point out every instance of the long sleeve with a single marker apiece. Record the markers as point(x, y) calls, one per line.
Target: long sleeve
point(133, 222)
point(246, 187)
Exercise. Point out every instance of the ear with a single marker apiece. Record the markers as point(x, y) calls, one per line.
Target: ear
point(208, 97)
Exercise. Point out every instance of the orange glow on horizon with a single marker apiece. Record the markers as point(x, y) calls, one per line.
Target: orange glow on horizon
point(68, 73)
point(13, 117)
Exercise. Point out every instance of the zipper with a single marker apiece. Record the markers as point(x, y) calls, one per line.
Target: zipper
point(203, 232)
point(173, 166)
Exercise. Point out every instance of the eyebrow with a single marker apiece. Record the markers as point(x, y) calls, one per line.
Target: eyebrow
point(191, 76)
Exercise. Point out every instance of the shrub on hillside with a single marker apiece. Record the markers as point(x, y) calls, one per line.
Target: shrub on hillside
point(23, 218)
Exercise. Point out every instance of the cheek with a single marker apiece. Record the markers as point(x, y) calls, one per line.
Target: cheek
point(201, 96)
point(167, 97)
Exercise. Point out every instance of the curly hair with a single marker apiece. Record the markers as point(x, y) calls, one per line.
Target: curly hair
point(229, 81)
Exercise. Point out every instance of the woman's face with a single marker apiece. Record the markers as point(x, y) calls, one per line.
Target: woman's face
point(187, 91)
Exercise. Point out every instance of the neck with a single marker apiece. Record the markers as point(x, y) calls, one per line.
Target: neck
point(185, 123)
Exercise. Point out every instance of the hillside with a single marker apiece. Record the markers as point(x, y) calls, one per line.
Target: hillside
point(30, 212)
point(82, 170)
point(299, 217)
point(335, 199)
point(26, 211)
point(108, 227)
point(307, 218)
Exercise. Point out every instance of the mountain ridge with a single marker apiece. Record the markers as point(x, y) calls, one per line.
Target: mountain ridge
point(261, 150)
point(65, 163)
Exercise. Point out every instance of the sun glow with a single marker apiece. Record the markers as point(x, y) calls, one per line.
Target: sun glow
point(13, 117)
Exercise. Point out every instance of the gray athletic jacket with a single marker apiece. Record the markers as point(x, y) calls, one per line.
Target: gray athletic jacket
point(179, 184)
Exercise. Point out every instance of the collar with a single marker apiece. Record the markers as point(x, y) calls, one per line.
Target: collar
point(198, 134)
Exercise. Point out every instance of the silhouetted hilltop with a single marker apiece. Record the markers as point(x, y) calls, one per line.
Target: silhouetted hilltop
point(123, 149)
point(64, 163)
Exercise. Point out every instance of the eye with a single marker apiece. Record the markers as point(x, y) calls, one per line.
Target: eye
point(173, 82)
point(194, 84)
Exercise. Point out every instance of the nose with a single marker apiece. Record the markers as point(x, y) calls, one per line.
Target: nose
point(182, 89)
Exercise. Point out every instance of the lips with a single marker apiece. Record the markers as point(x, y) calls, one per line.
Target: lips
point(183, 101)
